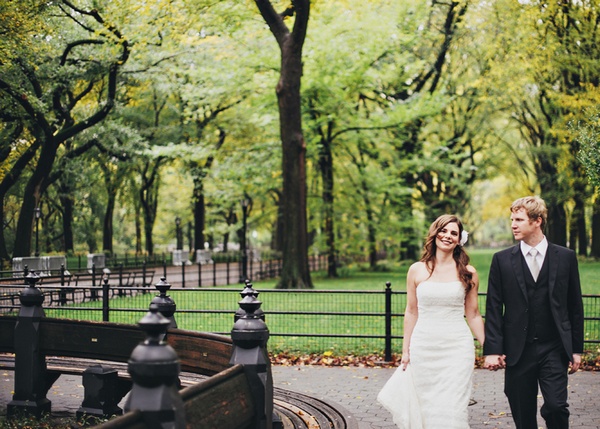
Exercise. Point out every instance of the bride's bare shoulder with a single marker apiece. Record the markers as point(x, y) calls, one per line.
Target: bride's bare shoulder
point(418, 272)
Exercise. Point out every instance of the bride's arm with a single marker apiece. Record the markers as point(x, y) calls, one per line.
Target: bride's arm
point(410, 313)
point(472, 313)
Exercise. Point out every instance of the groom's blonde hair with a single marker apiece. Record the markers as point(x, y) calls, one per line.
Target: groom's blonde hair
point(534, 206)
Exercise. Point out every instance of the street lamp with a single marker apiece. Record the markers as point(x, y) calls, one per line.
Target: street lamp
point(243, 246)
point(178, 233)
point(38, 215)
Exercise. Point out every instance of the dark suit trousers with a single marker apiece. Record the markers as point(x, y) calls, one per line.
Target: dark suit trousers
point(543, 363)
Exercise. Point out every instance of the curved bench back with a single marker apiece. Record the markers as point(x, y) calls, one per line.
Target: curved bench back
point(198, 352)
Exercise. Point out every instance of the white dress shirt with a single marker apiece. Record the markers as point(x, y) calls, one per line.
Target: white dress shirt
point(542, 248)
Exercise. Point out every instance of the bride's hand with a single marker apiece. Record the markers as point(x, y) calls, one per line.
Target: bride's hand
point(405, 360)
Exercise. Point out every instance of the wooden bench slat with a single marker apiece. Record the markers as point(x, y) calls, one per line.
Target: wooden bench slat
point(222, 401)
point(199, 352)
point(102, 340)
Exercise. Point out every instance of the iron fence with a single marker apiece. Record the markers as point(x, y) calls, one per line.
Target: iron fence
point(300, 321)
point(225, 270)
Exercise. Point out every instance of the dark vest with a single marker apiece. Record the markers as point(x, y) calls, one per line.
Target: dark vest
point(541, 323)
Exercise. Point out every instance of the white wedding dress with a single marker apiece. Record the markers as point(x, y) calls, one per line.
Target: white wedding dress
point(434, 391)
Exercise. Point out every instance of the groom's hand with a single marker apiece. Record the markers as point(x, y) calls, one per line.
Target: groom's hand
point(494, 362)
point(575, 364)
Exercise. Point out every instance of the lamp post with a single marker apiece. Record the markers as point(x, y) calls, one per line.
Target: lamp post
point(38, 215)
point(243, 245)
point(178, 233)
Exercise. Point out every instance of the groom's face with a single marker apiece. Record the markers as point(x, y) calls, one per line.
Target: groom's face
point(523, 227)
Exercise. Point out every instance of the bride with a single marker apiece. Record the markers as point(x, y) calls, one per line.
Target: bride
point(432, 386)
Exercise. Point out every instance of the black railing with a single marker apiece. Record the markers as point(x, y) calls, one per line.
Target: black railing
point(300, 321)
point(224, 271)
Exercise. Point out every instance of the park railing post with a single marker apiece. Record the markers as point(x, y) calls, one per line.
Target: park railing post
point(227, 266)
point(105, 300)
point(121, 292)
point(214, 274)
point(30, 385)
point(183, 274)
point(165, 304)
point(388, 321)
point(144, 275)
point(199, 274)
point(154, 368)
point(94, 294)
point(63, 293)
point(250, 335)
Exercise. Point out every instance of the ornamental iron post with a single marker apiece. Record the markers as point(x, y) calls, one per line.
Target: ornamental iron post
point(250, 335)
point(30, 364)
point(248, 291)
point(154, 368)
point(165, 304)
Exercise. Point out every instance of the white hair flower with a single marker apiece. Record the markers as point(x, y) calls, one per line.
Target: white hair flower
point(464, 236)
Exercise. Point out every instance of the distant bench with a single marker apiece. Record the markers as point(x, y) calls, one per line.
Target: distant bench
point(122, 284)
point(120, 281)
point(127, 278)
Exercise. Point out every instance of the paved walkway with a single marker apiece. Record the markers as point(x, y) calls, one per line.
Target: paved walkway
point(355, 390)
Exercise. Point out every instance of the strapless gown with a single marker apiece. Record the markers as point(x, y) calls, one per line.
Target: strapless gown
point(434, 391)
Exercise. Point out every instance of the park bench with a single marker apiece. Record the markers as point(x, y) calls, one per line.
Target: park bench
point(200, 354)
point(124, 280)
point(223, 382)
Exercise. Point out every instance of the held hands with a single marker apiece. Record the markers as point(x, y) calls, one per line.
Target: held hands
point(494, 362)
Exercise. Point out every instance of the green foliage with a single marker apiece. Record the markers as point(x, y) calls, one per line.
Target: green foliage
point(495, 125)
point(587, 133)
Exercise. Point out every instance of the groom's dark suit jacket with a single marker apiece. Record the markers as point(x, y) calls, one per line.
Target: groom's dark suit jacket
point(507, 308)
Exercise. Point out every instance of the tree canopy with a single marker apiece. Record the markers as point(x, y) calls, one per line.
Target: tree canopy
point(349, 125)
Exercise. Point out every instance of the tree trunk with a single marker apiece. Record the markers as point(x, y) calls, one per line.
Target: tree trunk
point(556, 230)
point(295, 271)
point(3, 249)
point(148, 224)
point(31, 197)
point(66, 201)
point(326, 167)
point(138, 231)
point(107, 228)
point(577, 229)
point(595, 248)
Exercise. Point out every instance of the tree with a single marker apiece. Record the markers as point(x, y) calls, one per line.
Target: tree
point(295, 273)
point(47, 97)
point(547, 74)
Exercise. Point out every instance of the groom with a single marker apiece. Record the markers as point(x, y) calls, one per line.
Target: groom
point(534, 319)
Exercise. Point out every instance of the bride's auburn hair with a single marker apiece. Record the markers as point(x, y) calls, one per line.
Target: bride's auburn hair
point(460, 256)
